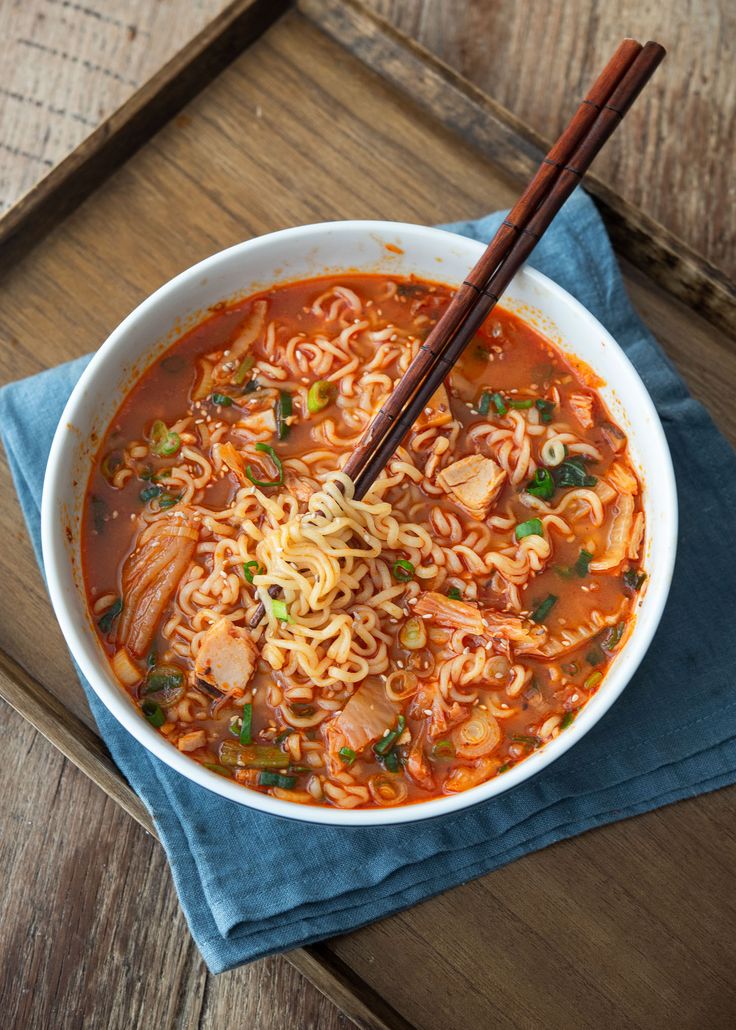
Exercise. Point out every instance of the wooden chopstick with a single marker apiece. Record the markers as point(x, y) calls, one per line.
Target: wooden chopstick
point(465, 297)
point(390, 430)
point(597, 116)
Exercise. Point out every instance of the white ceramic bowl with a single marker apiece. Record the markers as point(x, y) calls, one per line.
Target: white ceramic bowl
point(297, 254)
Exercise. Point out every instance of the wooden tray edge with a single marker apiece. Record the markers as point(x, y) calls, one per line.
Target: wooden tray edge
point(517, 150)
point(86, 750)
point(132, 124)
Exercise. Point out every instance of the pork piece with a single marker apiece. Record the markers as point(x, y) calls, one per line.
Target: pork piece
point(473, 483)
point(363, 721)
point(445, 611)
point(251, 329)
point(151, 575)
point(226, 658)
point(437, 411)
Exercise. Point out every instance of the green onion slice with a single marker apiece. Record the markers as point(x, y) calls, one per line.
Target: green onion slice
point(522, 404)
point(443, 749)
point(454, 594)
point(385, 744)
point(280, 610)
point(251, 569)
point(106, 621)
point(484, 404)
point(149, 492)
point(284, 411)
point(613, 637)
point(567, 720)
point(593, 680)
point(271, 779)
point(499, 403)
point(164, 685)
point(532, 527)
point(403, 570)
point(267, 449)
point(542, 486)
point(543, 609)
point(347, 755)
point(319, 396)
point(572, 472)
point(244, 368)
point(154, 713)
point(391, 761)
point(163, 441)
point(167, 500)
point(584, 560)
point(252, 756)
point(221, 400)
point(545, 409)
point(633, 579)
point(246, 725)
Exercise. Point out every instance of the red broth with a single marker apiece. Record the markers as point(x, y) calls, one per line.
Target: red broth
point(474, 635)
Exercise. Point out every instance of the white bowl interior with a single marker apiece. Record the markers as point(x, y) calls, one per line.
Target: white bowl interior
point(302, 253)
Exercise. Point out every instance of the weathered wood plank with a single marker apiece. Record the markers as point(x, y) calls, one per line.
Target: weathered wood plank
point(570, 936)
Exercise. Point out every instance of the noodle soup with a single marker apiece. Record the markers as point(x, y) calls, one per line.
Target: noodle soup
point(424, 640)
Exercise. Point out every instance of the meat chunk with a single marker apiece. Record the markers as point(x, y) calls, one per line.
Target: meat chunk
point(437, 412)
point(226, 658)
point(151, 575)
point(446, 611)
point(363, 720)
point(473, 483)
point(192, 741)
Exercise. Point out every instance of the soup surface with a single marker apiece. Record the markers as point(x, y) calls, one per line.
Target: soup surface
point(422, 641)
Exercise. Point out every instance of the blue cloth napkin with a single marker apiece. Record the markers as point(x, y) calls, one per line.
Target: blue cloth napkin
point(252, 884)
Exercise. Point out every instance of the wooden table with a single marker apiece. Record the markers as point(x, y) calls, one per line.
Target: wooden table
point(628, 926)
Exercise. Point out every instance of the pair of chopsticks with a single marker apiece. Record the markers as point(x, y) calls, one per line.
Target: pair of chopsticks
point(613, 93)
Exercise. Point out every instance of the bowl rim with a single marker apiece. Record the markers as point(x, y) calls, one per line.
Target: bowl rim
point(56, 557)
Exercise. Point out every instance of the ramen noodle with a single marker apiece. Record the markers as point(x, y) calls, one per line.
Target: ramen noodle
point(423, 640)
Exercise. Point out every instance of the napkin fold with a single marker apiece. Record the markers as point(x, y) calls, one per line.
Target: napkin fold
point(252, 884)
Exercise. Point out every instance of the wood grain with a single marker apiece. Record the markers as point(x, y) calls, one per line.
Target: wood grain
point(92, 931)
point(676, 161)
point(630, 926)
point(68, 66)
point(517, 149)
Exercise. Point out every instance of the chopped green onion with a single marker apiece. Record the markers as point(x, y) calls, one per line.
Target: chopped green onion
point(152, 658)
point(403, 570)
point(99, 513)
point(163, 441)
point(234, 725)
point(533, 527)
point(252, 756)
point(251, 569)
point(499, 403)
point(149, 492)
point(167, 500)
point(523, 738)
point(246, 725)
point(106, 621)
point(164, 685)
point(267, 449)
point(543, 609)
point(443, 749)
point(284, 410)
point(613, 638)
point(584, 560)
point(215, 767)
point(484, 404)
point(633, 579)
point(347, 755)
point(454, 594)
point(282, 736)
point(245, 366)
point(221, 400)
point(385, 744)
point(593, 680)
point(251, 386)
point(280, 610)
point(521, 404)
point(505, 767)
point(545, 408)
point(542, 486)
point(319, 396)
point(270, 779)
point(154, 713)
point(572, 472)
point(391, 761)
point(564, 571)
point(567, 720)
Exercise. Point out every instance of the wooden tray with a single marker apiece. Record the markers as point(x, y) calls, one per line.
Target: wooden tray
point(622, 921)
